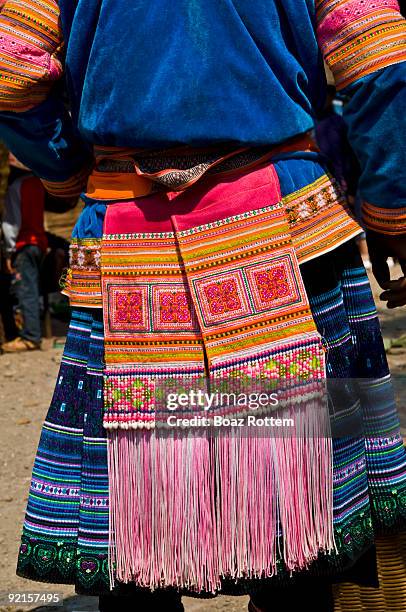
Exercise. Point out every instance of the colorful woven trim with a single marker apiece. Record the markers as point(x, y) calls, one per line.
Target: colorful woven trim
point(384, 220)
point(83, 281)
point(319, 221)
point(211, 290)
point(132, 395)
point(359, 37)
point(151, 330)
point(176, 169)
point(148, 314)
point(71, 187)
point(244, 281)
point(30, 52)
point(319, 218)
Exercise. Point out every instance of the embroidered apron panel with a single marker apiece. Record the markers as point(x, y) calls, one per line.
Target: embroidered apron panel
point(207, 285)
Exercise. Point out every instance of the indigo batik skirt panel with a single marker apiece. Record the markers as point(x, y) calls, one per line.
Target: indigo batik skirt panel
point(65, 533)
point(369, 469)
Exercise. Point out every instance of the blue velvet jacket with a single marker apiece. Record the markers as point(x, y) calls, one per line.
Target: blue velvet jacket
point(153, 74)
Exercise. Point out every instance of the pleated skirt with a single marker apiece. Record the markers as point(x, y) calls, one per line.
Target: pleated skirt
point(67, 529)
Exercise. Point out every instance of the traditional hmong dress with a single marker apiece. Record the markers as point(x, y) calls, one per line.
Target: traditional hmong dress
point(214, 245)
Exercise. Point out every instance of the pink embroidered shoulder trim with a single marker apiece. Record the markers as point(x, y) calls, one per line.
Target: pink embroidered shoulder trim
point(359, 37)
point(30, 48)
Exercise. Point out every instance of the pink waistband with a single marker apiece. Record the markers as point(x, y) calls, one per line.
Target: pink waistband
point(203, 203)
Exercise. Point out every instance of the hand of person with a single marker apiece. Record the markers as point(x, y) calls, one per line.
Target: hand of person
point(382, 246)
point(9, 266)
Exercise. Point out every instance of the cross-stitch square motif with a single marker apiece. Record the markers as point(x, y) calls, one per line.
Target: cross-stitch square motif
point(172, 309)
point(222, 296)
point(128, 308)
point(273, 284)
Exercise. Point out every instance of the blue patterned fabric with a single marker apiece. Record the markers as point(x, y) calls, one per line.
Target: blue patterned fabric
point(45, 140)
point(345, 314)
point(65, 535)
point(375, 120)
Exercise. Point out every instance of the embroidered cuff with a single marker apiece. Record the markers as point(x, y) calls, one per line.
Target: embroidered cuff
point(82, 283)
point(71, 187)
point(30, 46)
point(359, 37)
point(384, 220)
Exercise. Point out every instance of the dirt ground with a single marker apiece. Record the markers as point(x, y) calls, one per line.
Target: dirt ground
point(26, 386)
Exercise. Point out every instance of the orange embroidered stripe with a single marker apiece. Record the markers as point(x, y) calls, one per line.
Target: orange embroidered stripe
point(310, 245)
point(168, 355)
point(358, 29)
point(319, 218)
point(220, 261)
point(368, 58)
point(358, 38)
point(70, 188)
point(151, 343)
point(130, 273)
point(30, 52)
point(84, 289)
point(83, 280)
point(266, 322)
point(383, 220)
point(264, 340)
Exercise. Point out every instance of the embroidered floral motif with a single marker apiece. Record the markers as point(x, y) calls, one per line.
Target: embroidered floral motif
point(222, 297)
point(126, 394)
point(135, 398)
point(63, 562)
point(175, 308)
point(129, 307)
point(306, 205)
point(85, 254)
point(297, 362)
point(272, 284)
point(172, 308)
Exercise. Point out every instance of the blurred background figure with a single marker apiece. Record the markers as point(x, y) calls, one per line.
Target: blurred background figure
point(25, 244)
point(4, 171)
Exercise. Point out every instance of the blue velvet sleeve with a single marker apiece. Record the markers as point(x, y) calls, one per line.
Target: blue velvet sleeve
point(34, 122)
point(376, 119)
point(44, 139)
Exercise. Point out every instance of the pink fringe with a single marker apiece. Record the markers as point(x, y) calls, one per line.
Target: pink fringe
point(186, 511)
point(162, 527)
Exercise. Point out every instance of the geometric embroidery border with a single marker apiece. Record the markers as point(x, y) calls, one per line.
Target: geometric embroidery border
point(273, 284)
point(247, 291)
point(147, 308)
point(128, 308)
